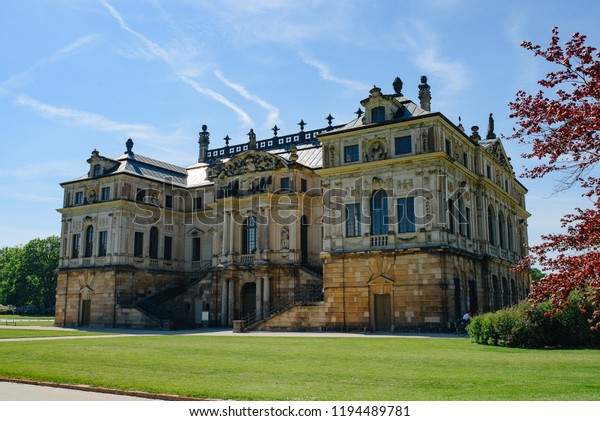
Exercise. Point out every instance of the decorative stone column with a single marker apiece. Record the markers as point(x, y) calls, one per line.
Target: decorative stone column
point(259, 297)
point(231, 302)
point(266, 293)
point(224, 302)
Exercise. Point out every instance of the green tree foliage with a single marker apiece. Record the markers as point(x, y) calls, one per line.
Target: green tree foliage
point(536, 274)
point(28, 273)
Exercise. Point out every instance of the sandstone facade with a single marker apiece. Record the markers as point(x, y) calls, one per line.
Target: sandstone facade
point(398, 220)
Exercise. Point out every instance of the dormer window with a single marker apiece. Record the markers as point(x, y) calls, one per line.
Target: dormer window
point(378, 115)
point(97, 170)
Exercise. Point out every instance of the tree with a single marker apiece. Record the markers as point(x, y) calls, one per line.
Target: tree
point(537, 274)
point(28, 274)
point(561, 122)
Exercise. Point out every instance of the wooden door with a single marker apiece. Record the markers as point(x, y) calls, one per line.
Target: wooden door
point(383, 313)
point(86, 307)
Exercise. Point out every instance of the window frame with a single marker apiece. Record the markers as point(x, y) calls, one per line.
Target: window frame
point(75, 246)
point(105, 193)
point(378, 114)
point(400, 145)
point(351, 153)
point(78, 199)
point(196, 249)
point(168, 248)
point(379, 215)
point(102, 243)
point(138, 244)
point(249, 230)
point(153, 246)
point(406, 214)
point(88, 249)
point(353, 225)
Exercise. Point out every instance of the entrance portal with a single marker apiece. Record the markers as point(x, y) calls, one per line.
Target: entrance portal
point(248, 300)
point(86, 310)
point(383, 312)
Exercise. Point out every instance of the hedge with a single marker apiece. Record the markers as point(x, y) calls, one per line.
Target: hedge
point(523, 326)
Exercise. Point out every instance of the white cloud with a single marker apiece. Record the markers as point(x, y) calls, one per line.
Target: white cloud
point(273, 116)
point(84, 118)
point(424, 50)
point(39, 170)
point(19, 80)
point(326, 74)
point(182, 71)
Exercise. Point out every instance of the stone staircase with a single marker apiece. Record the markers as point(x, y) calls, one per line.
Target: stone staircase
point(309, 297)
point(151, 306)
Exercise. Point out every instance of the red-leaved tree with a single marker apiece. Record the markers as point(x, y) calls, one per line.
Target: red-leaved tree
point(561, 123)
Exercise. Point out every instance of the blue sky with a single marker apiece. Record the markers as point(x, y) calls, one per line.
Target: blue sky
point(81, 75)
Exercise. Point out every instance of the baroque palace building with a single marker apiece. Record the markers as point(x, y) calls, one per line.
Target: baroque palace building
point(398, 220)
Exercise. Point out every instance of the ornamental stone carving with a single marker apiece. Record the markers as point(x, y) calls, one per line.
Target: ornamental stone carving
point(248, 163)
point(376, 150)
point(285, 238)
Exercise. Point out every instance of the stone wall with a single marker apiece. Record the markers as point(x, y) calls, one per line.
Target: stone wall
point(111, 294)
point(298, 318)
point(403, 290)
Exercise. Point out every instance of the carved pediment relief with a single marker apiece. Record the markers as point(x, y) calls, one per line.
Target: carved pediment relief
point(195, 232)
point(249, 162)
point(497, 151)
point(380, 279)
point(85, 292)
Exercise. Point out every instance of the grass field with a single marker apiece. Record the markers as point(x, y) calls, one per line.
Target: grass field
point(29, 320)
point(31, 333)
point(284, 368)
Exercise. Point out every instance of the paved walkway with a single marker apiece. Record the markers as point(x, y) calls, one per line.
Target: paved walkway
point(118, 333)
point(10, 391)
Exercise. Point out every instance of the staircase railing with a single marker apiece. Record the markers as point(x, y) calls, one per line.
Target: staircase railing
point(150, 306)
point(315, 270)
point(305, 296)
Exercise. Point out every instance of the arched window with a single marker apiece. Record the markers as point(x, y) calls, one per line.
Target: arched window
point(249, 236)
point(491, 225)
point(154, 243)
point(89, 241)
point(379, 213)
point(501, 230)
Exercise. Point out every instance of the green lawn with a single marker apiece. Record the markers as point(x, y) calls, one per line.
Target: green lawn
point(284, 368)
point(32, 333)
point(19, 320)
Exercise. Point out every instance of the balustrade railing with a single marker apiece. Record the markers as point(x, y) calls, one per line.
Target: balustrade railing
point(379, 240)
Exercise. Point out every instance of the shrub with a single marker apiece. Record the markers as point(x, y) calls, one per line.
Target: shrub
point(28, 310)
point(7, 309)
point(525, 327)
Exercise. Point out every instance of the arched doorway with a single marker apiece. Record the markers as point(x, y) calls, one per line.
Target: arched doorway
point(248, 299)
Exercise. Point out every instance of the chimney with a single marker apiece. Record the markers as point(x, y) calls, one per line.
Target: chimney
point(203, 141)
